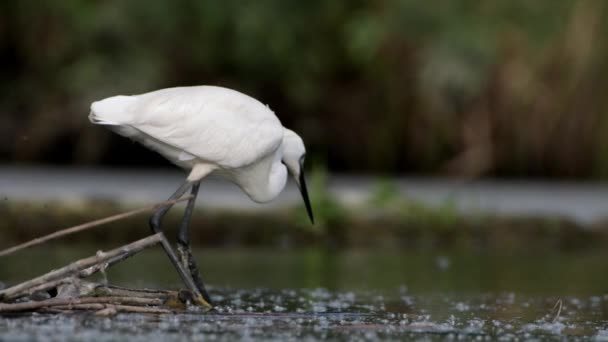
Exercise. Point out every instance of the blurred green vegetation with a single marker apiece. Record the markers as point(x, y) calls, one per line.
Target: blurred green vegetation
point(509, 88)
point(409, 225)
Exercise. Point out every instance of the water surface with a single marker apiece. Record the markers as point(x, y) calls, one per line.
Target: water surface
point(365, 295)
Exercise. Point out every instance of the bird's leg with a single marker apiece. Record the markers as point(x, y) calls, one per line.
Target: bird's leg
point(183, 245)
point(155, 221)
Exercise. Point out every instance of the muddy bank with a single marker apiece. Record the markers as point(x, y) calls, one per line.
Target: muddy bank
point(405, 225)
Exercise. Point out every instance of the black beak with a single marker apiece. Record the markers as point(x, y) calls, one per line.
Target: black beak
point(304, 192)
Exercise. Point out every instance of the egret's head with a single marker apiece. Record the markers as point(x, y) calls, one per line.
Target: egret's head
point(294, 154)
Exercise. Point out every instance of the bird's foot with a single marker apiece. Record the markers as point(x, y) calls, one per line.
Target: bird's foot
point(187, 260)
point(184, 298)
point(200, 301)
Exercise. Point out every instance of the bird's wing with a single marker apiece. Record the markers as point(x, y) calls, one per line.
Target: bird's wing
point(215, 124)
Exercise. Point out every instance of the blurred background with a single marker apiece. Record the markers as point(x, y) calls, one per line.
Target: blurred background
point(509, 89)
point(430, 125)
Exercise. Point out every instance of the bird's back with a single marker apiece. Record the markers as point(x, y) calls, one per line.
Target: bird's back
point(213, 124)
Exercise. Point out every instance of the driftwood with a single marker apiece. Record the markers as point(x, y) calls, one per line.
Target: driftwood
point(100, 258)
point(73, 293)
point(116, 308)
point(71, 302)
point(119, 291)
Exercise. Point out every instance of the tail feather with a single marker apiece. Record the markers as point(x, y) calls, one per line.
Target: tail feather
point(111, 111)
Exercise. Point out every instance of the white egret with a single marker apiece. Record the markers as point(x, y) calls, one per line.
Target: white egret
point(208, 129)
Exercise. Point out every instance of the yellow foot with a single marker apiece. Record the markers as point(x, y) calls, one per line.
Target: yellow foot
point(185, 298)
point(200, 301)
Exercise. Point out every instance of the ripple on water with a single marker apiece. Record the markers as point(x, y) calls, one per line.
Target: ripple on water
point(261, 314)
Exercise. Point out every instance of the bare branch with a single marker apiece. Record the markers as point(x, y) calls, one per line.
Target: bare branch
point(119, 308)
point(88, 225)
point(78, 266)
point(557, 305)
point(71, 302)
point(119, 291)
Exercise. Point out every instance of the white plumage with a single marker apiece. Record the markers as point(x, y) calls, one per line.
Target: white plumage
point(209, 129)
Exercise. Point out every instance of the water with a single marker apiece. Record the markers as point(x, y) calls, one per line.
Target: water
point(345, 295)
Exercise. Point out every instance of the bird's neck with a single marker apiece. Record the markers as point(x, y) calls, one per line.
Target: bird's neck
point(263, 180)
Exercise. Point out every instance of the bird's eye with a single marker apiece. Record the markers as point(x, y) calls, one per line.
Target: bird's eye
point(302, 159)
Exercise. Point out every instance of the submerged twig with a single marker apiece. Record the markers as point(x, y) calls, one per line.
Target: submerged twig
point(557, 305)
point(119, 291)
point(74, 302)
point(116, 307)
point(87, 225)
point(51, 278)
